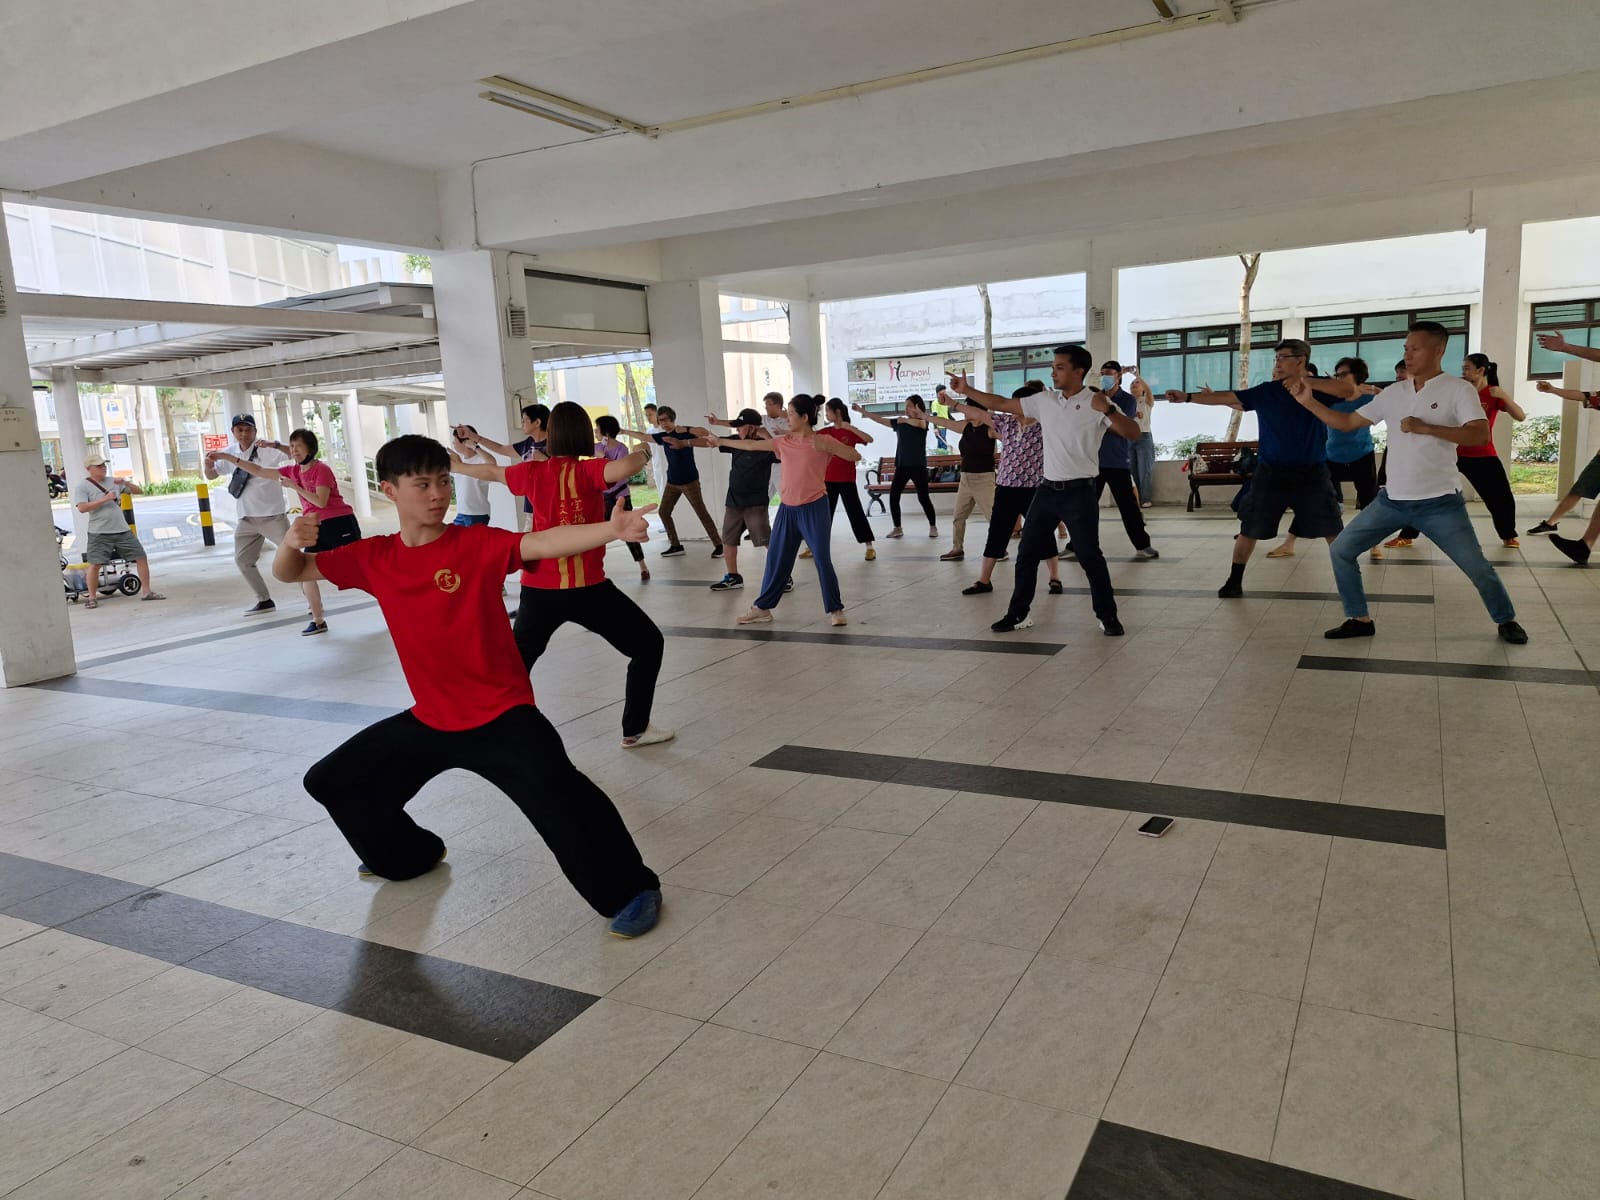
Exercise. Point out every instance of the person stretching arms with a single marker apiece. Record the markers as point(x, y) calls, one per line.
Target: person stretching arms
point(910, 459)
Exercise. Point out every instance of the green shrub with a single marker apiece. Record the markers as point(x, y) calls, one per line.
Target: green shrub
point(1183, 447)
point(176, 486)
point(1537, 440)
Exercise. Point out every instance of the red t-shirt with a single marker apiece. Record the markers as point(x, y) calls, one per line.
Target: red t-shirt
point(1493, 406)
point(563, 491)
point(841, 470)
point(311, 476)
point(444, 610)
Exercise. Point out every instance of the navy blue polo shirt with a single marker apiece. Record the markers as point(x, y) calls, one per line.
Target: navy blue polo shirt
point(1116, 450)
point(1291, 435)
point(681, 468)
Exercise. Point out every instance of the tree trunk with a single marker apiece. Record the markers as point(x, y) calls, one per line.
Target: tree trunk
point(636, 419)
point(1252, 263)
point(164, 401)
point(988, 337)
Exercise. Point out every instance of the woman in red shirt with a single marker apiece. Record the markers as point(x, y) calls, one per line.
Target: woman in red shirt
point(1481, 464)
point(314, 482)
point(840, 476)
point(569, 488)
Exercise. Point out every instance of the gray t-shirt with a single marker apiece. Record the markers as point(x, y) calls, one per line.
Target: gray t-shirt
point(107, 518)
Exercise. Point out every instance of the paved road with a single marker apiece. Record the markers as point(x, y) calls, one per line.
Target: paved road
point(166, 523)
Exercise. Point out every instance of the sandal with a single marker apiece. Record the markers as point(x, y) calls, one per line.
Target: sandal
point(1280, 552)
point(91, 603)
point(152, 596)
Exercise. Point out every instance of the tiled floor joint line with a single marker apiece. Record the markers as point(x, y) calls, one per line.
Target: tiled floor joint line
point(869, 640)
point(335, 712)
point(105, 660)
point(1448, 670)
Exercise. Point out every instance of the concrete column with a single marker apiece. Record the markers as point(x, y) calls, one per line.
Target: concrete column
point(69, 421)
point(35, 637)
point(489, 376)
point(805, 347)
point(237, 398)
point(1100, 291)
point(686, 348)
point(430, 419)
point(355, 449)
point(286, 422)
point(1503, 335)
point(330, 444)
point(150, 464)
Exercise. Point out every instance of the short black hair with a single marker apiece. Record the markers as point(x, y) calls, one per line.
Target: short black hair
point(1358, 368)
point(607, 426)
point(571, 433)
point(1431, 329)
point(1077, 356)
point(776, 397)
point(411, 454)
point(648, 407)
point(536, 412)
point(668, 412)
point(1111, 364)
point(917, 400)
point(807, 407)
point(307, 439)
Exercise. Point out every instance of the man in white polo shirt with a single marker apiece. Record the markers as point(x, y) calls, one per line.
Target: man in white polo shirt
point(1429, 415)
point(260, 507)
point(1072, 419)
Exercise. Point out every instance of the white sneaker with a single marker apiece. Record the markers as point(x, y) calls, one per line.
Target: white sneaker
point(649, 737)
point(756, 616)
point(837, 618)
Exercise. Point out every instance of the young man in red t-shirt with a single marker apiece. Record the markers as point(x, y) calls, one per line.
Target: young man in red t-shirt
point(439, 587)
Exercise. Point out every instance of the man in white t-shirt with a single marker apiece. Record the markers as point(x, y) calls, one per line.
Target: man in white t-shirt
point(1429, 415)
point(260, 505)
point(472, 494)
point(1072, 419)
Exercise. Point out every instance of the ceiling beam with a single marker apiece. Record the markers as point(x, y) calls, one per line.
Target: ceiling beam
point(157, 312)
point(264, 357)
point(404, 363)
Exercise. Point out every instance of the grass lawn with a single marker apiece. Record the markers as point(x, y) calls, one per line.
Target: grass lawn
point(1533, 479)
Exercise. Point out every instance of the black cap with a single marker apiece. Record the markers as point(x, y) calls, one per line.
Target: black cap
point(243, 419)
point(747, 416)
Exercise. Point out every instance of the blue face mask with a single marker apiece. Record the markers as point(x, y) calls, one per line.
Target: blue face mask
point(1108, 383)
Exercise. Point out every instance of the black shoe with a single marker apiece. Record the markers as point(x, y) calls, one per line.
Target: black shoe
point(1004, 558)
point(788, 584)
point(728, 583)
point(1542, 527)
point(1352, 628)
point(1513, 633)
point(1010, 624)
point(1576, 550)
point(978, 589)
point(672, 551)
point(260, 606)
point(1111, 628)
point(1055, 587)
point(716, 552)
point(1232, 590)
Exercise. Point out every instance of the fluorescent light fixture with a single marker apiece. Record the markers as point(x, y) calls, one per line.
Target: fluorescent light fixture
point(550, 107)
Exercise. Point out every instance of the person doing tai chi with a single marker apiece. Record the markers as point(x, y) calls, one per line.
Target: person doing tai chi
point(910, 459)
point(1587, 485)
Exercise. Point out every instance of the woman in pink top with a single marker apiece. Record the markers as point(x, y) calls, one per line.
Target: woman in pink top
point(314, 482)
point(803, 512)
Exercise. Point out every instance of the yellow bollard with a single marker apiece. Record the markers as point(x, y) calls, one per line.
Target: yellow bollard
point(207, 534)
point(127, 513)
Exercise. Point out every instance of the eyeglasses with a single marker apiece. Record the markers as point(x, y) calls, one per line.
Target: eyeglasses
point(1341, 374)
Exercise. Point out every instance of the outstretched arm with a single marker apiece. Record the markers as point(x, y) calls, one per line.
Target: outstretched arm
point(1590, 399)
point(1512, 407)
point(256, 469)
point(960, 386)
point(618, 469)
point(1347, 422)
point(976, 415)
point(1121, 423)
point(566, 541)
point(290, 564)
point(1207, 396)
point(871, 416)
point(1557, 344)
point(836, 448)
point(738, 444)
point(493, 472)
point(498, 447)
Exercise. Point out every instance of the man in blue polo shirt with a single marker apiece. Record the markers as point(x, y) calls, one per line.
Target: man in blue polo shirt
point(1292, 473)
point(1116, 467)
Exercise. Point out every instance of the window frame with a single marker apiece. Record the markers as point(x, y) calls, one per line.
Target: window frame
point(1184, 349)
point(1590, 323)
point(1409, 316)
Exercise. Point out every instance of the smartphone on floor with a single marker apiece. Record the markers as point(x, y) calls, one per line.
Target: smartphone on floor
point(1156, 826)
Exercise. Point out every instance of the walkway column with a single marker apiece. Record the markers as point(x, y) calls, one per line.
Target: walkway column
point(1503, 332)
point(355, 450)
point(1100, 292)
point(69, 421)
point(430, 419)
point(686, 349)
point(330, 444)
point(237, 398)
point(35, 638)
point(286, 423)
point(488, 374)
point(805, 346)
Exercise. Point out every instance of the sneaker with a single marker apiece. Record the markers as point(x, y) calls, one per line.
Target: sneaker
point(728, 583)
point(756, 616)
point(1055, 587)
point(1511, 544)
point(1069, 553)
point(367, 872)
point(896, 532)
point(1112, 628)
point(1511, 632)
point(1230, 591)
point(314, 628)
point(1398, 543)
point(672, 551)
point(1147, 552)
point(1375, 554)
point(788, 584)
point(837, 618)
point(644, 573)
point(1542, 527)
point(1146, 504)
point(638, 916)
point(1003, 558)
point(1010, 624)
point(649, 737)
point(1577, 551)
point(871, 554)
point(952, 556)
point(716, 552)
point(260, 606)
point(933, 531)
point(978, 589)
point(1352, 628)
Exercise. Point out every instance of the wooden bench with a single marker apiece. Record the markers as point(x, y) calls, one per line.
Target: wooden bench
point(1212, 463)
point(944, 475)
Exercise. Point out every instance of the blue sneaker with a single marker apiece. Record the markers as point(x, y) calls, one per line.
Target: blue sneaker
point(638, 916)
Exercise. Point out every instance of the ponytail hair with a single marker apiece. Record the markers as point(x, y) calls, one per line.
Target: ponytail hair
point(1482, 362)
point(922, 405)
point(838, 411)
point(806, 407)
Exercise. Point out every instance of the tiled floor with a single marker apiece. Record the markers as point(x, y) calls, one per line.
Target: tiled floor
point(913, 946)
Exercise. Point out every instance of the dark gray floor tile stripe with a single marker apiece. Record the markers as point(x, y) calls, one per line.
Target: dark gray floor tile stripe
point(1256, 594)
point(486, 1011)
point(1122, 1163)
point(1575, 676)
point(334, 712)
point(1241, 808)
point(253, 625)
point(869, 640)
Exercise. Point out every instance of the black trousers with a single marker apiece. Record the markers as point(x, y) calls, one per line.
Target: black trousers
point(1489, 479)
point(1072, 503)
point(917, 475)
point(1009, 504)
point(1120, 481)
point(603, 609)
point(366, 783)
point(1363, 474)
point(627, 506)
point(851, 495)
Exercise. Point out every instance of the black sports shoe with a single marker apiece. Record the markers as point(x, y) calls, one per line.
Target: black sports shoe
point(672, 551)
point(716, 552)
point(788, 584)
point(979, 588)
point(728, 583)
point(1352, 628)
point(1542, 527)
point(1573, 548)
point(1055, 587)
point(260, 606)
point(1230, 591)
point(1511, 632)
point(1010, 624)
point(1112, 628)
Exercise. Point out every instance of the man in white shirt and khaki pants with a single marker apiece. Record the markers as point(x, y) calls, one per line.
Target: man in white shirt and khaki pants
point(261, 510)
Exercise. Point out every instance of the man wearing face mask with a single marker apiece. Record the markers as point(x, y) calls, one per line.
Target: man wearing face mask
point(1116, 468)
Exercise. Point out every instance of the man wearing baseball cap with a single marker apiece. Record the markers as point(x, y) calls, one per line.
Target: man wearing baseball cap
point(260, 507)
point(109, 536)
point(745, 510)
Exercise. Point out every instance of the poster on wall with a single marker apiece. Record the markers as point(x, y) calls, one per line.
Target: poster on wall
point(862, 370)
point(861, 393)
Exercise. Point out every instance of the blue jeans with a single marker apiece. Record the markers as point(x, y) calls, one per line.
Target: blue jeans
point(1144, 466)
point(1444, 520)
point(471, 519)
point(811, 523)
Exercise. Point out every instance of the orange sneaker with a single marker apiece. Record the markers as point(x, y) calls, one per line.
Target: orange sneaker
point(1392, 543)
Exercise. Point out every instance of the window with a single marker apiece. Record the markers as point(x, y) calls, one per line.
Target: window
point(1576, 320)
point(1187, 360)
point(1379, 339)
point(1016, 365)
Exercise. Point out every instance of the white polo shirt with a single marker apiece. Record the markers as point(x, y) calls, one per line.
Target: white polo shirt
point(1072, 429)
point(261, 497)
point(1423, 467)
point(472, 493)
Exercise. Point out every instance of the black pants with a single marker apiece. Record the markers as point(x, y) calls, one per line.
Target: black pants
point(1489, 479)
point(917, 475)
point(851, 495)
point(1074, 504)
point(1362, 473)
point(600, 608)
point(627, 506)
point(1120, 481)
point(1009, 504)
point(366, 783)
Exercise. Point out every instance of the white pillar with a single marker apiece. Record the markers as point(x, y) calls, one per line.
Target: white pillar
point(488, 375)
point(35, 637)
point(237, 397)
point(69, 421)
point(686, 349)
point(805, 347)
point(147, 428)
point(355, 450)
point(430, 419)
point(1100, 292)
point(1503, 330)
point(286, 424)
point(329, 442)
